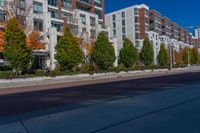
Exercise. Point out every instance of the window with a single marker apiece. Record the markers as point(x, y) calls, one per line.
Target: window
point(99, 13)
point(2, 2)
point(38, 24)
point(146, 20)
point(3, 17)
point(53, 12)
point(57, 25)
point(137, 27)
point(83, 18)
point(137, 36)
point(53, 2)
point(114, 32)
point(123, 37)
point(136, 19)
point(136, 11)
point(37, 7)
point(113, 17)
point(123, 22)
point(98, 3)
point(123, 14)
point(137, 44)
point(92, 21)
point(114, 25)
point(66, 4)
point(146, 12)
point(146, 28)
point(123, 30)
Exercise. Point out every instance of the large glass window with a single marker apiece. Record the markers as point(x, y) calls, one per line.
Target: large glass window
point(113, 17)
point(83, 18)
point(136, 11)
point(98, 3)
point(123, 14)
point(38, 24)
point(37, 7)
point(66, 4)
point(53, 12)
point(2, 2)
point(57, 25)
point(99, 13)
point(92, 21)
point(123, 30)
point(53, 2)
point(137, 27)
point(123, 22)
point(114, 25)
point(136, 19)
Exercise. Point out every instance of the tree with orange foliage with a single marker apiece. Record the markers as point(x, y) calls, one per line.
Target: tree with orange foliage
point(179, 58)
point(33, 41)
point(1, 41)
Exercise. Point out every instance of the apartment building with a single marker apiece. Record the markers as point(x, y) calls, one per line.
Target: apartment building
point(139, 22)
point(85, 18)
point(196, 38)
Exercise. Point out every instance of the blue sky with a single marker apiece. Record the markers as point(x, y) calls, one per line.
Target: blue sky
point(185, 12)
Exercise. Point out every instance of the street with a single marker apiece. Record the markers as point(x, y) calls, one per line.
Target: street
point(166, 102)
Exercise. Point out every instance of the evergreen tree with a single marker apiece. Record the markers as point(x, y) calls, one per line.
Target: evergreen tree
point(147, 53)
point(194, 58)
point(128, 54)
point(68, 53)
point(103, 53)
point(185, 55)
point(16, 50)
point(163, 58)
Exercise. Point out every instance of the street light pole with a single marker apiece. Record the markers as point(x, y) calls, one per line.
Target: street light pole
point(170, 56)
point(188, 57)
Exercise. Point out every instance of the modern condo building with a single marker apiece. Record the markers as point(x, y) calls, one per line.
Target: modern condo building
point(85, 18)
point(139, 22)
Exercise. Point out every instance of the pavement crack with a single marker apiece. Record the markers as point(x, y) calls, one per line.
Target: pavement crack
point(147, 114)
point(24, 126)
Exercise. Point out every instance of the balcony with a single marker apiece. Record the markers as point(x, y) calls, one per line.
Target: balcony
point(84, 4)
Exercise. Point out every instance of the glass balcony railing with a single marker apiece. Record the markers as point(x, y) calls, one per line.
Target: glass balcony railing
point(85, 1)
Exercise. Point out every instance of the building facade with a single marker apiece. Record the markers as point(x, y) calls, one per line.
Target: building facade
point(85, 18)
point(139, 22)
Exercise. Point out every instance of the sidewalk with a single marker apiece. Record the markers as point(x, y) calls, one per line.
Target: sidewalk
point(97, 78)
point(173, 110)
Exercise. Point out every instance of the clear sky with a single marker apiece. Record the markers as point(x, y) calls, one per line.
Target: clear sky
point(185, 12)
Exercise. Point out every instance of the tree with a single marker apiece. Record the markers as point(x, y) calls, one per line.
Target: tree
point(194, 58)
point(1, 41)
point(16, 50)
point(68, 53)
point(128, 54)
point(163, 58)
point(33, 41)
point(20, 10)
point(103, 53)
point(179, 57)
point(185, 55)
point(147, 53)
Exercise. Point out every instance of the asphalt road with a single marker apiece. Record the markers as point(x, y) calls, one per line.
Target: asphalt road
point(66, 98)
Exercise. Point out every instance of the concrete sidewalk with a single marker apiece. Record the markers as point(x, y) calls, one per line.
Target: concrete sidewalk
point(170, 111)
point(95, 78)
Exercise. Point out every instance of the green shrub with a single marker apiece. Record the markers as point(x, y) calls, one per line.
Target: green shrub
point(7, 75)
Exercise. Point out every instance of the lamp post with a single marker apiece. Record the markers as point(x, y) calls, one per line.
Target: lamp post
point(189, 57)
point(170, 56)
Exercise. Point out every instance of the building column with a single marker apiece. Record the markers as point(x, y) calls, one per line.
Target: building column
point(52, 44)
point(59, 8)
